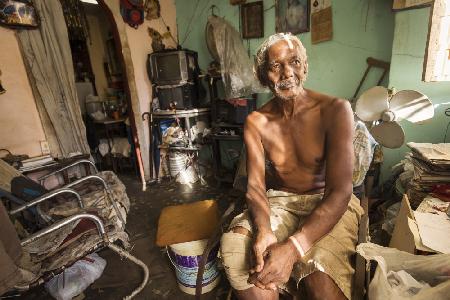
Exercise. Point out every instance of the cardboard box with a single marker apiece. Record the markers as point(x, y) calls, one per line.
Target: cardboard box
point(406, 233)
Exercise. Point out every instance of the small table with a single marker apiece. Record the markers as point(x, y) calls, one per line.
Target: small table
point(185, 114)
point(156, 116)
point(109, 125)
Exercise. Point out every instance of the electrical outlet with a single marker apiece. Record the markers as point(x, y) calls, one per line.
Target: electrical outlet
point(44, 148)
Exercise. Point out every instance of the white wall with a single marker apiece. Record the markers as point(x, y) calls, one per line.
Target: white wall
point(20, 126)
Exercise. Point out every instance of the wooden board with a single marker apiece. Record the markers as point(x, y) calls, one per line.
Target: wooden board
point(187, 222)
point(408, 4)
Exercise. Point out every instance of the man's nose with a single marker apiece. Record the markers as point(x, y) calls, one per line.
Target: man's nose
point(288, 71)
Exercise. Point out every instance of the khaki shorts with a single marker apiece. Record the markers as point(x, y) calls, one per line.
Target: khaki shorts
point(332, 254)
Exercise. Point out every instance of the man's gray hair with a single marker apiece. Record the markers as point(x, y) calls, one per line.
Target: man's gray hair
point(260, 67)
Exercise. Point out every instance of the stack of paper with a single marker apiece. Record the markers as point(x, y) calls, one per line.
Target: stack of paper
point(434, 230)
point(431, 167)
point(35, 162)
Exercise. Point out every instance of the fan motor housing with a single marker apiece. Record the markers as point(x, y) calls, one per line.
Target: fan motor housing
point(388, 116)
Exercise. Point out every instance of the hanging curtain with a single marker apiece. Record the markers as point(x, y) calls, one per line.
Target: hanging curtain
point(47, 56)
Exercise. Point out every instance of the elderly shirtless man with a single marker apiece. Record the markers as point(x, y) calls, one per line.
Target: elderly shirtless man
point(306, 227)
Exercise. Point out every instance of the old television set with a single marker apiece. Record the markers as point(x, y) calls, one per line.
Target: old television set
point(172, 67)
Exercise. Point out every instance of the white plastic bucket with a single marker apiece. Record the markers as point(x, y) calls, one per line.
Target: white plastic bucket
point(186, 258)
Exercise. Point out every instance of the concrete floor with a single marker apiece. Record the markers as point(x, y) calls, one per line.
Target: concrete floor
point(121, 277)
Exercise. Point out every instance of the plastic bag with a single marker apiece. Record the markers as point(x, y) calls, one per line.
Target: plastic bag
point(401, 275)
point(75, 279)
point(236, 66)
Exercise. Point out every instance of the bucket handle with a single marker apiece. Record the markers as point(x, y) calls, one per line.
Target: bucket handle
point(174, 264)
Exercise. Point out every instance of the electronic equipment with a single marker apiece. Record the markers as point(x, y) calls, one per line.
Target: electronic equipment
point(385, 108)
point(233, 111)
point(182, 96)
point(172, 67)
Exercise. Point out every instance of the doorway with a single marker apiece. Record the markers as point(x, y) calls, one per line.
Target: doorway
point(101, 84)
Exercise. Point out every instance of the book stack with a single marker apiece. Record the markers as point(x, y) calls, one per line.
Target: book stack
point(431, 169)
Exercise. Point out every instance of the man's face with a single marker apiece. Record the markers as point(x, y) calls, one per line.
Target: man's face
point(285, 70)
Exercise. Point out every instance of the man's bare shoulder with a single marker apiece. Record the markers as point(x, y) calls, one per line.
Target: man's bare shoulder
point(332, 108)
point(261, 116)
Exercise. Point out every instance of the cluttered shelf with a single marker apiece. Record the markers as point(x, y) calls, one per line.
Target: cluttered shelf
point(162, 114)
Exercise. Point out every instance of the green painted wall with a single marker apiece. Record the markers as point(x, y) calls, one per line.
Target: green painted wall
point(361, 28)
point(336, 66)
point(410, 37)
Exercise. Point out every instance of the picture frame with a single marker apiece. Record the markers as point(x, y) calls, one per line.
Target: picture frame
point(292, 16)
point(18, 13)
point(399, 5)
point(252, 20)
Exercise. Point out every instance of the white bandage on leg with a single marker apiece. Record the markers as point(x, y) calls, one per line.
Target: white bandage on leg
point(235, 255)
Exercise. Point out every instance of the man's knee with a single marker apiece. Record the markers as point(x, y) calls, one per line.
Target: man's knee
point(241, 230)
point(235, 247)
point(320, 285)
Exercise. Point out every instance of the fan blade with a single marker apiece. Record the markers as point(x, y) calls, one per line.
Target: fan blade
point(412, 106)
point(388, 134)
point(372, 103)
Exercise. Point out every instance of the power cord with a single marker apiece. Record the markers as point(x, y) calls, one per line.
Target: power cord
point(447, 113)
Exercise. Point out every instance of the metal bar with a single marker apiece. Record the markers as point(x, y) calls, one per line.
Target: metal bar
point(106, 187)
point(150, 133)
point(98, 222)
point(187, 123)
point(46, 197)
point(87, 161)
point(76, 182)
point(138, 262)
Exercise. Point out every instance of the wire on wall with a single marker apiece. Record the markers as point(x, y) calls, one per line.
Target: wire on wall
point(447, 113)
point(189, 28)
point(270, 7)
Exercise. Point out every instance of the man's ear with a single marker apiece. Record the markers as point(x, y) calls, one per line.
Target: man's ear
point(264, 80)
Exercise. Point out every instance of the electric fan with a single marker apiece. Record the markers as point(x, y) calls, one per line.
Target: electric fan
point(384, 108)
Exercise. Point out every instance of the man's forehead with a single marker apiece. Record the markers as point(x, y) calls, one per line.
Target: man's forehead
point(282, 49)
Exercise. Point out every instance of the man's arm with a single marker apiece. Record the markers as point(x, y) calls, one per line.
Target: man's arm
point(256, 187)
point(257, 202)
point(338, 176)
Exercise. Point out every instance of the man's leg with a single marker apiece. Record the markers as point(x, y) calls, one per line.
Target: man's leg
point(321, 286)
point(256, 293)
point(252, 292)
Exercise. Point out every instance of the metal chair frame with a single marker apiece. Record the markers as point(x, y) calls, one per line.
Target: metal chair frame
point(103, 243)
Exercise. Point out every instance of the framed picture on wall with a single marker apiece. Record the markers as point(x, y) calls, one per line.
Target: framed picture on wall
point(252, 18)
point(292, 16)
point(18, 13)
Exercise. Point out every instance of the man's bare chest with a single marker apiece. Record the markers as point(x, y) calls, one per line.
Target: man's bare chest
point(301, 146)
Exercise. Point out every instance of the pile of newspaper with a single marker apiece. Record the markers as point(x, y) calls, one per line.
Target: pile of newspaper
point(431, 168)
